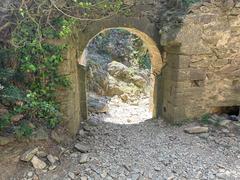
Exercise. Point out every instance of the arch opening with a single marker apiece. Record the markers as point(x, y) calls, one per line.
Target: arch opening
point(87, 98)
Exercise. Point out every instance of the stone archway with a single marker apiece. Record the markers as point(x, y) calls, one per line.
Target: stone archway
point(197, 55)
point(73, 101)
point(156, 65)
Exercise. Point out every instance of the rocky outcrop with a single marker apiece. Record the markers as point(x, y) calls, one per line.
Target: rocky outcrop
point(126, 74)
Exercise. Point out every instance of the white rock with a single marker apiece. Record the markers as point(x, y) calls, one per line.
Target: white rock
point(52, 167)
point(38, 163)
point(84, 178)
point(52, 159)
point(84, 158)
point(81, 132)
point(30, 174)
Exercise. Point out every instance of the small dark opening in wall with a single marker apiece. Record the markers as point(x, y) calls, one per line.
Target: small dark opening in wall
point(227, 110)
point(164, 109)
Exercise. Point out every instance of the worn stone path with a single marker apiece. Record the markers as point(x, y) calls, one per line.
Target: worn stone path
point(127, 150)
point(149, 150)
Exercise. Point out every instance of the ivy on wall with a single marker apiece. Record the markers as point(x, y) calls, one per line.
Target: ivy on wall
point(29, 74)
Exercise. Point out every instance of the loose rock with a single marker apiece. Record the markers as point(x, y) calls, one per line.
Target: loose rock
point(96, 105)
point(38, 163)
point(84, 158)
point(52, 167)
point(71, 175)
point(82, 148)
point(30, 174)
point(196, 130)
point(52, 159)
point(29, 154)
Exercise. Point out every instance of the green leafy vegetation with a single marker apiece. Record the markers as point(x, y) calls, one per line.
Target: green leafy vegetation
point(29, 76)
point(205, 119)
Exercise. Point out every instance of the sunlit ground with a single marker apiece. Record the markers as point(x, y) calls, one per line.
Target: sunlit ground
point(125, 113)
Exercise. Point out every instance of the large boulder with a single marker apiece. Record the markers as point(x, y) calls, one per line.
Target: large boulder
point(114, 87)
point(118, 87)
point(118, 70)
point(139, 81)
point(126, 74)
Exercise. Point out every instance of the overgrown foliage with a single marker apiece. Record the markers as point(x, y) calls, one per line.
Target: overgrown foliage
point(29, 74)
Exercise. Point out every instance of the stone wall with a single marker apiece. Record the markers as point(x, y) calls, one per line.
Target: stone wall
point(203, 58)
point(200, 57)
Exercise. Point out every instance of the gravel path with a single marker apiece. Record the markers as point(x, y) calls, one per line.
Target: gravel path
point(149, 150)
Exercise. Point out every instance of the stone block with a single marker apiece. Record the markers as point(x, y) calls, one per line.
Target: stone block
point(180, 74)
point(197, 74)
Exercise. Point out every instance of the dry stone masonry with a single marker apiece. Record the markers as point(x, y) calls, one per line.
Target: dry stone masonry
point(195, 56)
point(203, 58)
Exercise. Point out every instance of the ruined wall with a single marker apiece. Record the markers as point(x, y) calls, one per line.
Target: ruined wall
point(200, 49)
point(142, 22)
point(203, 58)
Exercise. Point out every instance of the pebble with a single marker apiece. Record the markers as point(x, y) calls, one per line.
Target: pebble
point(52, 159)
point(103, 174)
point(52, 167)
point(84, 158)
point(74, 155)
point(30, 174)
point(83, 178)
point(81, 132)
point(71, 175)
point(157, 168)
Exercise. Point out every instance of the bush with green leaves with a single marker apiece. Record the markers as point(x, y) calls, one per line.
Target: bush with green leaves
point(29, 76)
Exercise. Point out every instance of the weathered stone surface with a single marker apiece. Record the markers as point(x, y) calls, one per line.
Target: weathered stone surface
point(6, 140)
point(52, 159)
point(196, 130)
point(97, 105)
point(199, 46)
point(84, 158)
point(38, 163)
point(71, 175)
point(28, 155)
point(122, 72)
point(82, 148)
point(41, 154)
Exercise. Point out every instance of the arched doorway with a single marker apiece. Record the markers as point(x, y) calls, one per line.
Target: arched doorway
point(73, 100)
point(156, 64)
